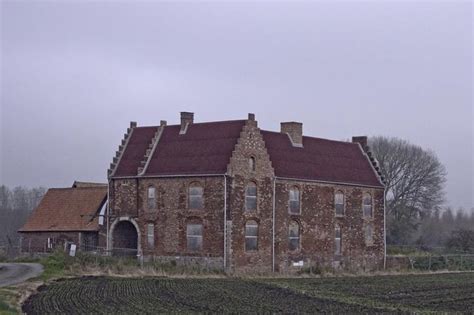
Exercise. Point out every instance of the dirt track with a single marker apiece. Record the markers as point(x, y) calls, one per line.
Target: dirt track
point(19, 272)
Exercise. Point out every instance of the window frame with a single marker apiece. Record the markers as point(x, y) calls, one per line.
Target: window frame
point(339, 192)
point(194, 236)
point(151, 202)
point(247, 196)
point(290, 238)
point(254, 224)
point(369, 227)
point(292, 188)
point(190, 196)
point(364, 195)
point(150, 237)
point(337, 240)
point(252, 164)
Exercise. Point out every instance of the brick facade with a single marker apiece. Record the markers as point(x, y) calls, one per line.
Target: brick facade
point(166, 221)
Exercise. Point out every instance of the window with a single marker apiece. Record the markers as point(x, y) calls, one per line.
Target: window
point(294, 200)
point(251, 236)
point(251, 197)
point(50, 242)
point(195, 196)
point(367, 205)
point(252, 164)
point(339, 202)
point(337, 240)
point(150, 235)
point(369, 233)
point(151, 198)
point(294, 235)
point(194, 237)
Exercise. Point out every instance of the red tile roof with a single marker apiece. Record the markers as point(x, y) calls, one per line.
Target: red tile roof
point(319, 159)
point(67, 209)
point(206, 148)
point(135, 151)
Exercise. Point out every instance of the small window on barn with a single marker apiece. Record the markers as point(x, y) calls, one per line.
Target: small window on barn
point(194, 237)
point(151, 198)
point(294, 203)
point(369, 234)
point(252, 164)
point(50, 242)
point(251, 197)
point(337, 240)
point(339, 203)
point(294, 235)
point(251, 236)
point(150, 235)
point(195, 196)
point(367, 205)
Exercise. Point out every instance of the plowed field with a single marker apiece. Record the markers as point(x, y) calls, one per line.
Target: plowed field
point(103, 295)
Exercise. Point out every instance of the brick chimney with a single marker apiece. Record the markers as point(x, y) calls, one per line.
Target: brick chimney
point(362, 140)
point(187, 119)
point(294, 130)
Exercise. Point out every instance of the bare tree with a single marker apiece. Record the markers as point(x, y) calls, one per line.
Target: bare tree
point(414, 180)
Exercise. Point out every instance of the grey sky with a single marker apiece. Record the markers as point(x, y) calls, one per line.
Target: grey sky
point(74, 74)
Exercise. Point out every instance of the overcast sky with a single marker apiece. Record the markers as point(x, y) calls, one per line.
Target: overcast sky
point(74, 74)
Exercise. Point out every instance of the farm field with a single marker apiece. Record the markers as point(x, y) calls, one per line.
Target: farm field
point(398, 294)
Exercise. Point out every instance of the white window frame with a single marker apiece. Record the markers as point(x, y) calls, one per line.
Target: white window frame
point(247, 196)
point(188, 236)
point(364, 206)
point(197, 196)
point(338, 240)
point(297, 189)
point(343, 204)
point(151, 201)
point(290, 238)
point(251, 223)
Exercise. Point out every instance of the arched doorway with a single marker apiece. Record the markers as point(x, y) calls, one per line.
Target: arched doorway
point(125, 239)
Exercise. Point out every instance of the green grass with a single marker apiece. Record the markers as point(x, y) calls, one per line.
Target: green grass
point(8, 298)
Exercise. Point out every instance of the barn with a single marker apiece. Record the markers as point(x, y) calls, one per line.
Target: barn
point(72, 215)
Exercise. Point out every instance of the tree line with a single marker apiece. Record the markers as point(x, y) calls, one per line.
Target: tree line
point(15, 206)
point(414, 198)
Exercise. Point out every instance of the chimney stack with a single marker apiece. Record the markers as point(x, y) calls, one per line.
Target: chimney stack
point(295, 131)
point(362, 140)
point(187, 119)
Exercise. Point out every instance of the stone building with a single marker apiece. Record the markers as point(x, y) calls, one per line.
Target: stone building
point(72, 215)
point(229, 194)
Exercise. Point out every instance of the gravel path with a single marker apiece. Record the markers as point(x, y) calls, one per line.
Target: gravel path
point(19, 272)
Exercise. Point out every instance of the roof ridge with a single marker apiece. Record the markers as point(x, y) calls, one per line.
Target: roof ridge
point(77, 188)
point(312, 137)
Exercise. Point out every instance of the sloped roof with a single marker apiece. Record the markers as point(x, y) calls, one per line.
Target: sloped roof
point(135, 151)
point(206, 148)
point(67, 209)
point(319, 159)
